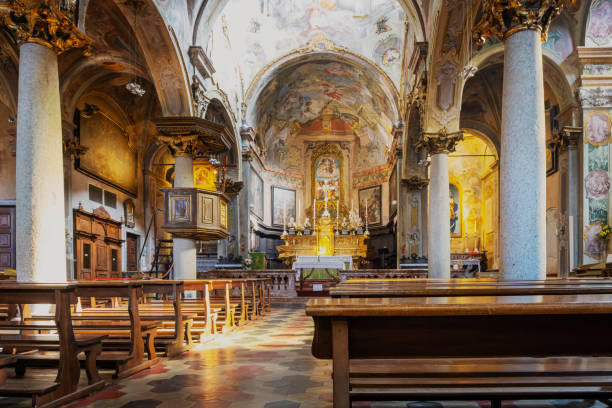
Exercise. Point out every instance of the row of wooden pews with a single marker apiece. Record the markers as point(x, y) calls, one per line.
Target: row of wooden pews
point(466, 339)
point(121, 325)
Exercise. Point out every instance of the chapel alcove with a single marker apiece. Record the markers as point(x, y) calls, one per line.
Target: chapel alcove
point(474, 190)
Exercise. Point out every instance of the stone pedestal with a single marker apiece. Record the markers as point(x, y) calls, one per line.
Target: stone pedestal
point(184, 252)
point(41, 235)
point(438, 242)
point(523, 160)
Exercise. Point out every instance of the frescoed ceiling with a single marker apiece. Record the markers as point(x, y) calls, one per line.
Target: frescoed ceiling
point(332, 98)
point(250, 34)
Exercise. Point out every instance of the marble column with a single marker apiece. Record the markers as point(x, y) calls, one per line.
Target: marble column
point(523, 160)
point(184, 252)
point(438, 241)
point(570, 138)
point(438, 228)
point(522, 26)
point(41, 235)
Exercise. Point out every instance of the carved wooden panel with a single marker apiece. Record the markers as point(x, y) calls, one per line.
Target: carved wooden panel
point(97, 245)
point(7, 238)
point(5, 220)
point(208, 206)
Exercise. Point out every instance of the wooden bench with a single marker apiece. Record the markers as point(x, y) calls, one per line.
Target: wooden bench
point(62, 386)
point(124, 357)
point(408, 288)
point(465, 347)
point(173, 336)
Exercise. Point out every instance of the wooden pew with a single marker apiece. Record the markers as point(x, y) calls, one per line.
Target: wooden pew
point(465, 347)
point(174, 336)
point(62, 387)
point(385, 288)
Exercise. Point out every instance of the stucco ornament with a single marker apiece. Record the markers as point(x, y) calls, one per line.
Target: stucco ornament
point(598, 128)
point(597, 184)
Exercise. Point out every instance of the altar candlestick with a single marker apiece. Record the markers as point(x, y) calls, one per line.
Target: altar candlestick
point(314, 211)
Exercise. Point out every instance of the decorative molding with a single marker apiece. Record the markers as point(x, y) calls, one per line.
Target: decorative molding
point(44, 22)
point(440, 142)
point(193, 136)
point(73, 148)
point(415, 183)
point(595, 97)
point(502, 18)
point(200, 101)
point(200, 61)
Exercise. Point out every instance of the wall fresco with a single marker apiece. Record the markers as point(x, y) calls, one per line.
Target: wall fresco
point(599, 26)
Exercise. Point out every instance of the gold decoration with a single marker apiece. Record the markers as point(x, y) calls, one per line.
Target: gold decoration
point(306, 245)
point(502, 18)
point(569, 137)
point(439, 142)
point(42, 22)
point(72, 147)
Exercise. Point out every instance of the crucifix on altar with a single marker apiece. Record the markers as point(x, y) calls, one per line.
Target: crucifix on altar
point(326, 188)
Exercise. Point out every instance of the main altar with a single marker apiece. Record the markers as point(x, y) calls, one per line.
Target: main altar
point(337, 234)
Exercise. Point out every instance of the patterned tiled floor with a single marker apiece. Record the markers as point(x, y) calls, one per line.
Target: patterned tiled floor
point(265, 364)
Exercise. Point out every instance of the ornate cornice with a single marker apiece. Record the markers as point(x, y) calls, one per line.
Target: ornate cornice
point(43, 22)
point(502, 18)
point(181, 145)
point(415, 183)
point(595, 97)
point(439, 142)
point(195, 133)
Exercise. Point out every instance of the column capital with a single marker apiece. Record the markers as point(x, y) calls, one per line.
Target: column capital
point(569, 137)
point(415, 183)
point(439, 142)
point(502, 18)
point(44, 22)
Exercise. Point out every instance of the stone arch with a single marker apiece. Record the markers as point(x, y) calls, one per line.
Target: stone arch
point(168, 71)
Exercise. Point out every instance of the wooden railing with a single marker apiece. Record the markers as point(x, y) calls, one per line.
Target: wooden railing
point(283, 280)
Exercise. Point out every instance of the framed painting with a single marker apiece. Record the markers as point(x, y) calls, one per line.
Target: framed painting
point(128, 209)
point(327, 171)
point(455, 210)
point(180, 208)
point(256, 194)
point(370, 202)
point(111, 156)
point(283, 199)
point(393, 193)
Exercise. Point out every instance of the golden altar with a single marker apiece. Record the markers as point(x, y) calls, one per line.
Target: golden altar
point(324, 242)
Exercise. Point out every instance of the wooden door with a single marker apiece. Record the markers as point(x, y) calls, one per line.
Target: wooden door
point(131, 244)
point(101, 252)
point(7, 238)
point(85, 259)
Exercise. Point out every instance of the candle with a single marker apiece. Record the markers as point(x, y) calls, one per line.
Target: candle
point(366, 212)
point(314, 210)
point(297, 215)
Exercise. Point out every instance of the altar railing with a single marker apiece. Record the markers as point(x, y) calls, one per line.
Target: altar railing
point(283, 280)
point(382, 274)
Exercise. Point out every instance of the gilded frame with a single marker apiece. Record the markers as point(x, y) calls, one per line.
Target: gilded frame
point(290, 210)
point(326, 150)
point(377, 191)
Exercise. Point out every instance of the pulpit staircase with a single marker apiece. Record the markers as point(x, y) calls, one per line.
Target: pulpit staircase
point(162, 260)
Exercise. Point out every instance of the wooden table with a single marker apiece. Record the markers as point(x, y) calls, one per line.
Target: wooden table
point(443, 328)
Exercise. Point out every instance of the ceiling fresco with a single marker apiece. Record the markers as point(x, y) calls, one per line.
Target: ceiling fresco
point(325, 98)
point(257, 32)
